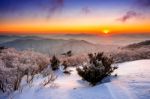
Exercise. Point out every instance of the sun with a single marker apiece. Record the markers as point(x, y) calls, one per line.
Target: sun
point(106, 31)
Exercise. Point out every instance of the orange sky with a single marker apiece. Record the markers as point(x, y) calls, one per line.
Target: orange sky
point(90, 24)
point(74, 16)
point(45, 28)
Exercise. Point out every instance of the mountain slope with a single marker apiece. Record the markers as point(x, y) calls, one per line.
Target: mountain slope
point(55, 46)
point(144, 44)
point(51, 46)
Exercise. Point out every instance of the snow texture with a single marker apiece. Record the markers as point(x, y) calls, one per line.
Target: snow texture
point(132, 82)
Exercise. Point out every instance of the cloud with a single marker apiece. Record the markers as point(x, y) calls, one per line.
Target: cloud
point(141, 8)
point(85, 10)
point(54, 7)
point(128, 15)
point(33, 8)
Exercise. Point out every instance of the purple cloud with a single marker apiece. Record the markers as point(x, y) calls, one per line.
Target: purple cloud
point(85, 10)
point(128, 15)
point(54, 7)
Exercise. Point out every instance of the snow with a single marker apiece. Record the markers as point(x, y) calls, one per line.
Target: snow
point(132, 82)
point(136, 76)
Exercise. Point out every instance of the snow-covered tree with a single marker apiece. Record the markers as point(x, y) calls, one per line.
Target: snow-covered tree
point(15, 64)
point(55, 63)
point(98, 68)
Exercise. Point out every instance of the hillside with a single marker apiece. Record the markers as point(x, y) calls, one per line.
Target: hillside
point(143, 44)
point(50, 46)
point(7, 38)
point(56, 46)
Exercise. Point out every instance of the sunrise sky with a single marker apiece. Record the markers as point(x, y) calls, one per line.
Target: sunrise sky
point(74, 16)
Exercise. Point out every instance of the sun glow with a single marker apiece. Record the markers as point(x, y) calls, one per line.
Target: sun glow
point(106, 31)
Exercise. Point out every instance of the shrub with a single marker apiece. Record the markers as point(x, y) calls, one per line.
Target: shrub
point(68, 54)
point(65, 64)
point(2, 88)
point(17, 80)
point(99, 67)
point(54, 63)
point(15, 64)
point(74, 60)
point(50, 79)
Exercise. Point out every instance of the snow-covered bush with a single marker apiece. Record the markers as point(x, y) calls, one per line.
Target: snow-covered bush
point(50, 79)
point(99, 67)
point(55, 63)
point(15, 64)
point(68, 54)
point(74, 60)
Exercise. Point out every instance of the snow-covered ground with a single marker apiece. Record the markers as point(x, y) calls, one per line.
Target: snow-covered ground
point(132, 82)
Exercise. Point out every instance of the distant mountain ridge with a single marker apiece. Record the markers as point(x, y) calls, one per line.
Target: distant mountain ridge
point(144, 44)
point(51, 46)
point(55, 46)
